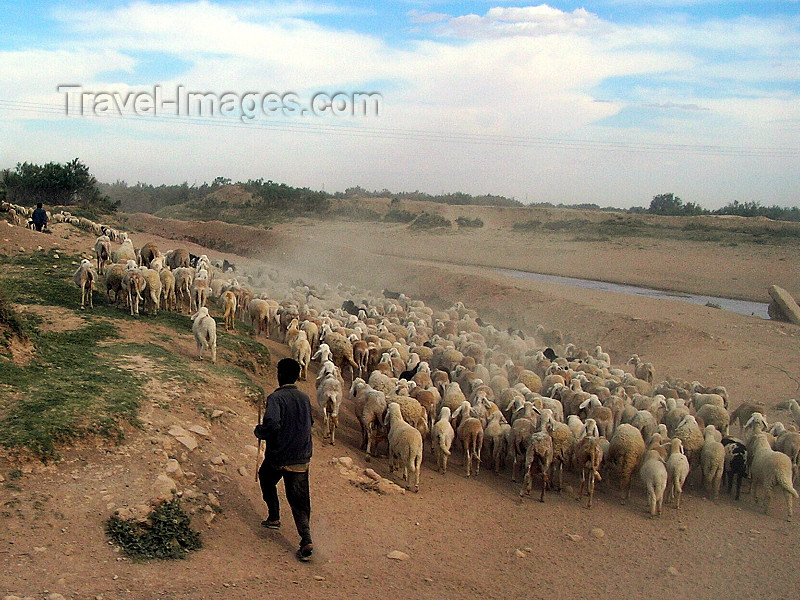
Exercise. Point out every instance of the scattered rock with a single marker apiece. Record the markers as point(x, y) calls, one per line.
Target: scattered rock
point(55, 596)
point(219, 460)
point(209, 518)
point(183, 436)
point(519, 553)
point(200, 430)
point(372, 474)
point(346, 462)
point(251, 450)
point(574, 537)
point(11, 597)
point(397, 555)
point(217, 413)
point(682, 528)
point(212, 499)
point(2, 479)
point(163, 487)
point(242, 471)
point(596, 532)
point(173, 468)
point(319, 578)
point(784, 303)
point(673, 571)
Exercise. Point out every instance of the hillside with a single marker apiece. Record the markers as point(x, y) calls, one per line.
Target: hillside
point(464, 537)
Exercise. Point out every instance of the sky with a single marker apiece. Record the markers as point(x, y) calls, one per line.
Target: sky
point(609, 102)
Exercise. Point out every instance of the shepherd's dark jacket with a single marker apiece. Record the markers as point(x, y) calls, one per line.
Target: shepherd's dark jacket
point(286, 427)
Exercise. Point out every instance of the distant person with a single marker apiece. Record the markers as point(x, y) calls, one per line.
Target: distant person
point(39, 217)
point(286, 429)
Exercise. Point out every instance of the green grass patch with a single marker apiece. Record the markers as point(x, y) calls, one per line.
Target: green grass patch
point(166, 534)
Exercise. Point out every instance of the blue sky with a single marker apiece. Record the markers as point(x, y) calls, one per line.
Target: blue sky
point(609, 102)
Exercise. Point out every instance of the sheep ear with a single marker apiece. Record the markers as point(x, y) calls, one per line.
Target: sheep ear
point(584, 404)
point(536, 410)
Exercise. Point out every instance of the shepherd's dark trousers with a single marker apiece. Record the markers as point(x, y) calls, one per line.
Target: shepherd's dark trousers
point(296, 485)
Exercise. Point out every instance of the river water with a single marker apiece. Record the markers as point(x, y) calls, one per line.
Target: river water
point(744, 307)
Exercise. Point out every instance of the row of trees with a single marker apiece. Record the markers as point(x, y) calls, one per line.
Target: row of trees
point(54, 184)
point(454, 198)
point(672, 205)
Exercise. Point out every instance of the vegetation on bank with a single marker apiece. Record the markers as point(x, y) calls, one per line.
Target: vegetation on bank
point(79, 381)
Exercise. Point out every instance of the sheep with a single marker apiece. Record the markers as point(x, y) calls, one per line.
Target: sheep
point(518, 440)
point(795, 408)
point(653, 474)
point(770, 468)
point(323, 353)
point(626, 448)
point(677, 471)
point(788, 442)
point(495, 440)
point(711, 414)
point(688, 431)
point(563, 444)
point(114, 275)
point(301, 352)
point(167, 289)
point(179, 257)
point(152, 289)
point(538, 458)
point(258, 311)
point(405, 446)
point(588, 457)
point(340, 347)
point(84, 278)
point(102, 250)
point(712, 461)
point(199, 290)
point(133, 282)
point(369, 406)
point(755, 424)
point(603, 416)
point(735, 463)
point(329, 398)
point(229, 311)
point(147, 254)
point(124, 253)
point(442, 436)
point(470, 434)
point(204, 329)
point(413, 412)
point(645, 422)
point(184, 278)
point(642, 370)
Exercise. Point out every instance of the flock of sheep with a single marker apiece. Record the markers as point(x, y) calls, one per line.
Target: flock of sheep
point(531, 404)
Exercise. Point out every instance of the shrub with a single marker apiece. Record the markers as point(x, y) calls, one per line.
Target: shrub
point(397, 215)
point(467, 222)
point(165, 534)
point(428, 220)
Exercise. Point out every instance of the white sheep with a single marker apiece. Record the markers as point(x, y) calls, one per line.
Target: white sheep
point(323, 353)
point(301, 352)
point(677, 471)
point(625, 451)
point(653, 474)
point(712, 461)
point(102, 249)
point(588, 457)
point(204, 329)
point(369, 405)
point(329, 398)
point(442, 436)
point(795, 408)
point(229, 303)
point(770, 468)
point(84, 278)
point(495, 440)
point(405, 446)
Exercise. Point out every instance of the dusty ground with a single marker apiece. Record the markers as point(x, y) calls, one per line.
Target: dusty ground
point(461, 535)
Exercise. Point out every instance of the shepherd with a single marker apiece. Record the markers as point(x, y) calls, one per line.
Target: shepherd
point(286, 429)
point(39, 217)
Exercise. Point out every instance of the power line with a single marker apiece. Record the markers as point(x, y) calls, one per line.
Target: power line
point(361, 131)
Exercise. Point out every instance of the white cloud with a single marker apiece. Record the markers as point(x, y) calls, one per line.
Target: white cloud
point(529, 72)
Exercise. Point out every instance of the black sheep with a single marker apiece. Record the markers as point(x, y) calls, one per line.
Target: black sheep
point(735, 463)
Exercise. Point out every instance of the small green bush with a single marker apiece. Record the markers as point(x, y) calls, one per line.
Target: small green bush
point(467, 222)
point(397, 215)
point(428, 220)
point(166, 533)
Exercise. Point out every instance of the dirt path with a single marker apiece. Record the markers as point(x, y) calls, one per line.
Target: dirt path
point(464, 538)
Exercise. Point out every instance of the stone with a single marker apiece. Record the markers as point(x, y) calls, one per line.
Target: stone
point(163, 487)
point(596, 532)
point(55, 596)
point(11, 597)
point(212, 499)
point(251, 450)
point(372, 474)
point(200, 430)
point(346, 462)
point(219, 460)
point(785, 303)
point(673, 571)
point(209, 518)
point(574, 537)
point(242, 471)
point(2, 479)
point(216, 414)
point(397, 555)
point(519, 553)
point(319, 578)
point(173, 468)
